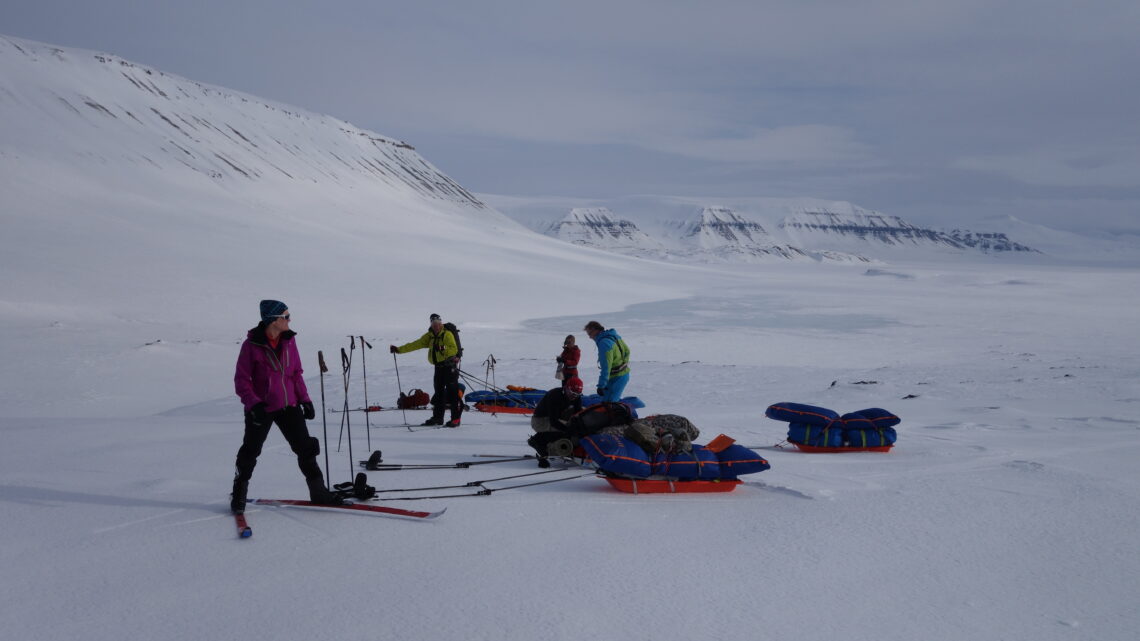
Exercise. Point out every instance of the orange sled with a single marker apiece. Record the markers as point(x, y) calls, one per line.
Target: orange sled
point(827, 450)
point(666, 486)
point(503, 409)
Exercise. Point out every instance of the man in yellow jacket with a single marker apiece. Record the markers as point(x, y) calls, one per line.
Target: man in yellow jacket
point(443, 352)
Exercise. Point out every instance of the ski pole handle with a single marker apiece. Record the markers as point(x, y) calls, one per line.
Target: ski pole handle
point(344, 359)
point(321, 360)
point(365, 343)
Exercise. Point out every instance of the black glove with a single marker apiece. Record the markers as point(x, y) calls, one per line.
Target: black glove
point(601, 391)
point(308, 410)
point(393, 349)
point(258, 414)
point(558, 359)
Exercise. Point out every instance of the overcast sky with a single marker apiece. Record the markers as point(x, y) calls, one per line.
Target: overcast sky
point(940, 112)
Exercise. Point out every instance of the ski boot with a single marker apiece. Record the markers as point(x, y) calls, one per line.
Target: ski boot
point(320, 495)
point(237, 497)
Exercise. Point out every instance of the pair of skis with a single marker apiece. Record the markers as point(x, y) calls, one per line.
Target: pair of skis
point(375, 463)
point(244, 531)
point(471, 488)
point(475, 488)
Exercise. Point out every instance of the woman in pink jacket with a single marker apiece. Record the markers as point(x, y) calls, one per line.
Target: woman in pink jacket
point(270, 382)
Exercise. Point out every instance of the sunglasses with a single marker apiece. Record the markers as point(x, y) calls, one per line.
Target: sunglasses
point(285, 316)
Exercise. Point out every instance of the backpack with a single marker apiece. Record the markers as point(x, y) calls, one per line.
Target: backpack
point(455, 332)
point(412, 400)
point(595, 418)
point(667, 433)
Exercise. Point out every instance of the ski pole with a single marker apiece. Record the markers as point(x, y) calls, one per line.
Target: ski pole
point(400, 387)
point(345, 367)
point(324, 416)
point(344, 382)
point(499, 392)
point(367, 422)
point(490, 370)
point(348, 422)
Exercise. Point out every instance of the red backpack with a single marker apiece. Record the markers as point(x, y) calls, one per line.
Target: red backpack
point(415, 399)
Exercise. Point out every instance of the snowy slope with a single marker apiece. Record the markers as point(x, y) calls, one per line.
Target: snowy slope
point(1008, 510)
point(68, 104)
point(184, 204)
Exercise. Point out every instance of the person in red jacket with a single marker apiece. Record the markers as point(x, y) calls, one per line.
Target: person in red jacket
point(568, 359)
point(270, 382)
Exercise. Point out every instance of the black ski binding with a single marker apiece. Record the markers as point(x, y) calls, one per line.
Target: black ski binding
point(373, 461)
point(358, 489)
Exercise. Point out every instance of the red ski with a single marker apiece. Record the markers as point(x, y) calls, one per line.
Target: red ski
point(503, 409)
point(243, 528)
point(379, 510)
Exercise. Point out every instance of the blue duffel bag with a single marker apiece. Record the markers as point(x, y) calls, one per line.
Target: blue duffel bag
point(875, 437)
point(736, 460)
point(830, 435)
point(617, 455)
point(870, 418)
point(701, 463)
point(801, 413)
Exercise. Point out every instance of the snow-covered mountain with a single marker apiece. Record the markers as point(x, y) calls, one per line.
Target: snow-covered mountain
point(870, 228)
point(752, 230)
point(857, 229)
point(59, 101)
point(722, 232)
point(989, 242)
point(826, 226)
point(598, 227)
point(716, 234)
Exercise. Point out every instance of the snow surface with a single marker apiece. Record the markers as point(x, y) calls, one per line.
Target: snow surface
point(1008, 510)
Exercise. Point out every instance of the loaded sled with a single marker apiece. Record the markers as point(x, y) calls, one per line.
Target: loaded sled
point(628, 467)
point(818, 430)
point(522, 400)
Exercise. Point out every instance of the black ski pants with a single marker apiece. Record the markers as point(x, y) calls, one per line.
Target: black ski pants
point(446, 396)
point(291, 421)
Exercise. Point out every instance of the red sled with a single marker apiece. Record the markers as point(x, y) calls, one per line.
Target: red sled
point(503, 409)
point(667, 486)
point(815, 449)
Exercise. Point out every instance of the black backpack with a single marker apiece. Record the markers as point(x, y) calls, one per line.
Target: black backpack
point(455, 332)
point(595, 418)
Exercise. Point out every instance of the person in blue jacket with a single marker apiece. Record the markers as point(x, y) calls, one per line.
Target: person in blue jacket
point(613, 361)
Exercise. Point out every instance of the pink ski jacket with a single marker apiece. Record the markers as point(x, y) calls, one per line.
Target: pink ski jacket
point(269, 376)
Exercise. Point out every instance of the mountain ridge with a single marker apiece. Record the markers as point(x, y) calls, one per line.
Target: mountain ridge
point(217, 132)
point(714, 230)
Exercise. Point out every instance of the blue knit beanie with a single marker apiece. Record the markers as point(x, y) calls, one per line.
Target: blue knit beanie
point(271, 309)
